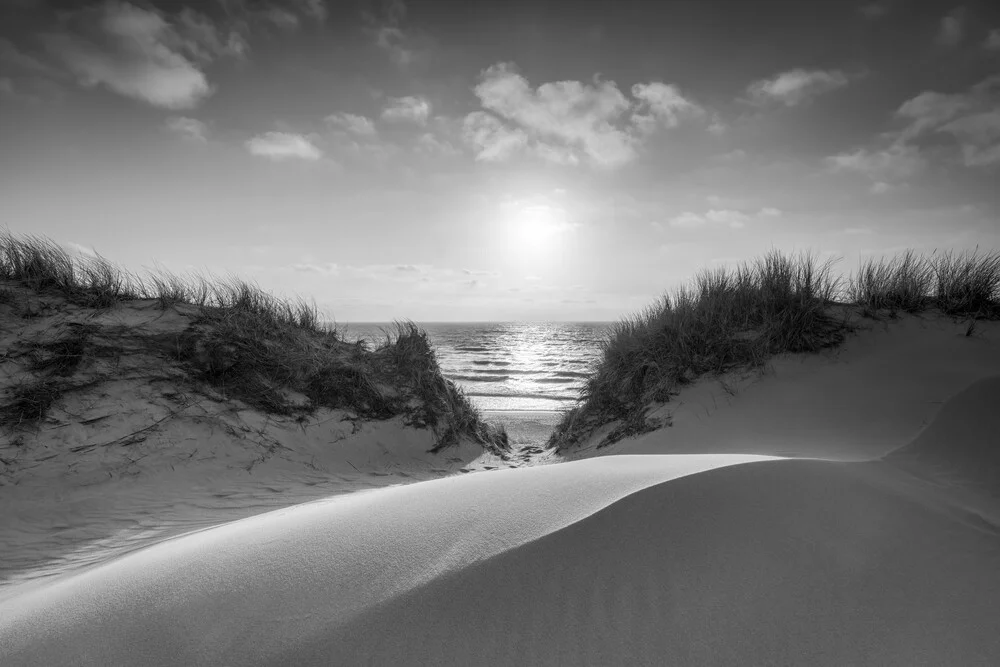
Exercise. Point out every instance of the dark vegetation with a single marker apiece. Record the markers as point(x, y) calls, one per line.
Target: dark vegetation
point(737, 319)
point(270, 353)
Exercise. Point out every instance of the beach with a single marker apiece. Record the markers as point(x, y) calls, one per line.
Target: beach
point(765, 525)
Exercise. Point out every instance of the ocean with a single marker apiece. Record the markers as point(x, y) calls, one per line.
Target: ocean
point(519, 374)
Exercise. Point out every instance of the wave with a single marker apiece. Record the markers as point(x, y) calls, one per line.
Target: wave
point(479, 378)
point(472, 348)
point(551, 397)
point(491, 363)
point(570, 374)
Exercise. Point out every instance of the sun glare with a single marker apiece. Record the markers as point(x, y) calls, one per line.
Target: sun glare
point(533, 228)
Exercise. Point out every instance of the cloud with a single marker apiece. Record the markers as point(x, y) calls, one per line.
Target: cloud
point(200, 37)
point(952, 28)
point(978, 136)
point(431, 145)
point(79, 250)
point(687, 219)
point(660, 103)
point(315, 9)
point(135, 52)
point(735, 219)
point(731, 217)
point(354, 124)
point(992, 41)
point(972, 118)
point(796, 86)
point(328, 269)
point(491, 140)
point(897, 162)
point(188, 128)
point(410, 108)
point(388, 34)
point(568, 122)
point(569, 112)
point(282, 146)
point(880, 188)
point(874, 10)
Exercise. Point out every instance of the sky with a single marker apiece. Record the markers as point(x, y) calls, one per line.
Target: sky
point(496, 161)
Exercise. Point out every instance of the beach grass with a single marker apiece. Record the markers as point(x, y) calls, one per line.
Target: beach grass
point(248, 344)
point(730, 319)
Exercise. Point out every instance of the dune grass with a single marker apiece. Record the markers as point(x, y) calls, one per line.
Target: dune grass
point(738, 318)
point(246, 343)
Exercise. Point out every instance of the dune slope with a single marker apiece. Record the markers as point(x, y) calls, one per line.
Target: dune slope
point(249, 591)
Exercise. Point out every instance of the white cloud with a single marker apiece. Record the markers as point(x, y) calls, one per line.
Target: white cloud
point(769, 212)
point(491, 140)
point(429, 144)
point(328, 269)
point(353, 123)
point(952, 28)
point(282, 146)
point(796, 86)
point(568, 122)
point(134, 52)
point(410, 108)
point(880, 188)
point(568, 112)
point(687, 219)
point(895, 163)
point(735, 219)
point(188, 128)
point(79, 250)
point(660, 102)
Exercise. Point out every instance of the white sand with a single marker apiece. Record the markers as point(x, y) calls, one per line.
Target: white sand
point(719, 557)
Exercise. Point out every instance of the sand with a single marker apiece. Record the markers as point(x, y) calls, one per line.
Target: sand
point(841, 509)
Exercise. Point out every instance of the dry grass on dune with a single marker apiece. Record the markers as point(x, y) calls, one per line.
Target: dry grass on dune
point(272, 354)
point(729, 319)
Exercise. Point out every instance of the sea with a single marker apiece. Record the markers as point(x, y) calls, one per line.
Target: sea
point(522, 375)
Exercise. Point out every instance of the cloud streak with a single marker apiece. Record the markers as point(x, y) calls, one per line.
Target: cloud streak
point(796, 86)
point(407, 109)
point(190, 129)
point(283, 146)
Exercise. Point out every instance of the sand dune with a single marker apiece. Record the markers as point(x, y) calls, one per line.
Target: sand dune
point(732, 558)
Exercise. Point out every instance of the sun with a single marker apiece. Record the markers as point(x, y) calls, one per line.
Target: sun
point(533, 228)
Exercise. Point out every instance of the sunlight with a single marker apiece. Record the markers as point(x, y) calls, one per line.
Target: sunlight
point(534, 228)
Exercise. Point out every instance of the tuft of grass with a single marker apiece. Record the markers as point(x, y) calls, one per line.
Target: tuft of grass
point(30, 402)
point(724, 319)
point(738, 318)
point(249, 344)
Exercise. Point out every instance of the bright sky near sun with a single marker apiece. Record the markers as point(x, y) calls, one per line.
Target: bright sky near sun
point(516, 160)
